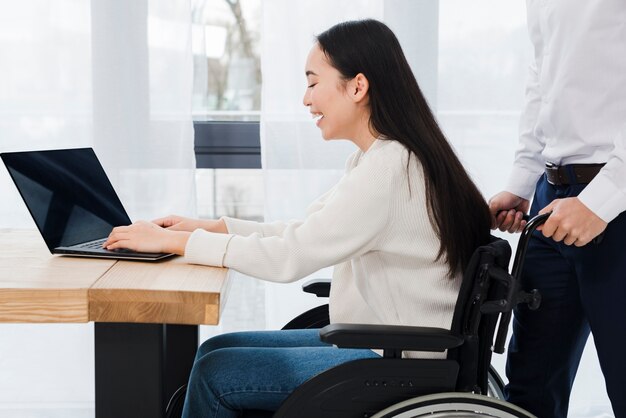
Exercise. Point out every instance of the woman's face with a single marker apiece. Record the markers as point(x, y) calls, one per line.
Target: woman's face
point(335, 112)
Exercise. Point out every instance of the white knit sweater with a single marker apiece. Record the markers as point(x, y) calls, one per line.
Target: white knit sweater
point(369, 226)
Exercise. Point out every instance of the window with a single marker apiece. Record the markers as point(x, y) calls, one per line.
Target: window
point(483, 61)
point(227, 64)
point(226, 107)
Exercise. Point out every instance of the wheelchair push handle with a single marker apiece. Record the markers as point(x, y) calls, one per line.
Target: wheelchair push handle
point(532, 298)
point(522, 244)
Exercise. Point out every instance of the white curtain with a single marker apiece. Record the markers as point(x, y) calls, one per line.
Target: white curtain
point(115, 75)
point(470, 59)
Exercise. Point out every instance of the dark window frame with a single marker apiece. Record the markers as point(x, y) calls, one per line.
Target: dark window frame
point(227, 144)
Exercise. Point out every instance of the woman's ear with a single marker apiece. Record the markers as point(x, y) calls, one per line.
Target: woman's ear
point(358, 87)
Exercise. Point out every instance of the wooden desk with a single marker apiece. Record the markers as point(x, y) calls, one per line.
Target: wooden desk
point(146, 315)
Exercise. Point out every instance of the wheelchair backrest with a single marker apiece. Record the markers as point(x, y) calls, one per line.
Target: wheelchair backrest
point(486, 281)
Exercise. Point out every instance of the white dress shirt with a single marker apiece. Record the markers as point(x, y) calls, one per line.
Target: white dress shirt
point(575, 109)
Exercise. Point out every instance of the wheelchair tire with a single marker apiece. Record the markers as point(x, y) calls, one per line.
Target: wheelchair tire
point(495, 384)
point(453, 405)
point(313, 318)
point(174, 408)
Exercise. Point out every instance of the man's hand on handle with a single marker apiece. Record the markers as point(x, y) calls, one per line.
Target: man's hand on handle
point(507, 211)
point(571, 222)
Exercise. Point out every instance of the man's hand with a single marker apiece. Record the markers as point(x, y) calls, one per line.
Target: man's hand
point(571, 222)
point(147, 237)
point(507, 211)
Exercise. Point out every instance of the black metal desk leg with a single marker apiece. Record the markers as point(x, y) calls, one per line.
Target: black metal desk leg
point(139, 366)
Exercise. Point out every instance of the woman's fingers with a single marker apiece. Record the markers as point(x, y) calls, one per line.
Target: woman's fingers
point(121, 233)
point(140, 236)
point(116, 235)
point(160, 222)
point(120, 244)
point(168, 221)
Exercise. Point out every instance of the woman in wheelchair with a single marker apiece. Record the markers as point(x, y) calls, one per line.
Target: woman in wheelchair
point(399, 228)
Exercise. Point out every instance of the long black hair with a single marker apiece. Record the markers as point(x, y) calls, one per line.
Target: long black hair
point(399, 112)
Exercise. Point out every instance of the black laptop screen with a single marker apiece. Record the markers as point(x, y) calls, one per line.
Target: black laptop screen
point(67, 193)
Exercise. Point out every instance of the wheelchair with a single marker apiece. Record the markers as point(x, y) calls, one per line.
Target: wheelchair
point(463, 384)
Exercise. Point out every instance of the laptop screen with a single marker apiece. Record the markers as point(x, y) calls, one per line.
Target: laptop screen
point(67, 193)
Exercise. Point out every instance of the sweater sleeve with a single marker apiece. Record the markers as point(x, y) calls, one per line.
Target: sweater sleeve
point(244, 227)
point(269, 229)
point(344, 228)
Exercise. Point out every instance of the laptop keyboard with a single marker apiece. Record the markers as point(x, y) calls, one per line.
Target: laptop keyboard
point(97, 244)
point(94, 248)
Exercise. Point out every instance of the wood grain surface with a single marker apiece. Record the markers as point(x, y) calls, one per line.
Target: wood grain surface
point(36, 286)
point(170, 291)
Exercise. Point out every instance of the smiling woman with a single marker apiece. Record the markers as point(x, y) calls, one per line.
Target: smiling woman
point(382, 226)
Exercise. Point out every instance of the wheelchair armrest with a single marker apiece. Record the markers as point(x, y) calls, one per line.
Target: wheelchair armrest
point(390, 337)
point(319, 287)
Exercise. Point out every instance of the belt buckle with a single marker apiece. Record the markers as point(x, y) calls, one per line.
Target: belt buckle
point(552, 173)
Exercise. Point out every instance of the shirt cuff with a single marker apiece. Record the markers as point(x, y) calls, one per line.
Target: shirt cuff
point(603, 198)
point(242, 227)
point(522, 182)
point(207, 248)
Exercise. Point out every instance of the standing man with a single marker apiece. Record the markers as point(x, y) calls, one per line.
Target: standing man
point(572, 156)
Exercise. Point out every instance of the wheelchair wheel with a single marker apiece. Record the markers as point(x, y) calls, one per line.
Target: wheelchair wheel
point(174, 408)
point(453, 405)
point(495, 384)
point(313, 318)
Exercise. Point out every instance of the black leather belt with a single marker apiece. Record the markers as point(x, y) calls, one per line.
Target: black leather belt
point(564, 175)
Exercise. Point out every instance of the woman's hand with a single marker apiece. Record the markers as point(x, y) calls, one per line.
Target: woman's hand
point(179, 223)
point(147, 237)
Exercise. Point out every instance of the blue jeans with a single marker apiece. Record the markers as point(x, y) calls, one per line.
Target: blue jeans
point(257, 370)
point(583, 289)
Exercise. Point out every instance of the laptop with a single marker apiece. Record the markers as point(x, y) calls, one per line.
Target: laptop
point(72, 201)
